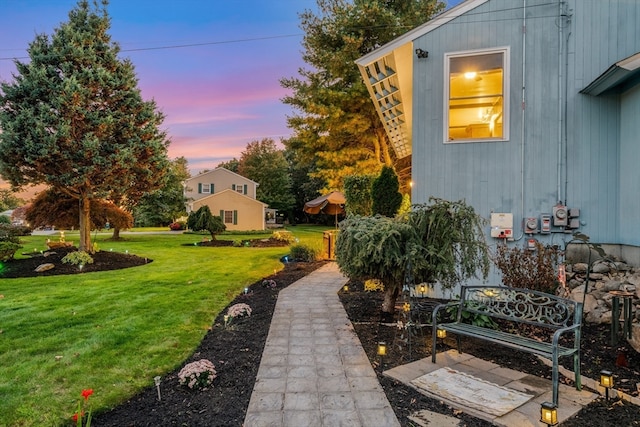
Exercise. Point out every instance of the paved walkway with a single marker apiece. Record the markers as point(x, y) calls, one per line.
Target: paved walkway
point(314, 371)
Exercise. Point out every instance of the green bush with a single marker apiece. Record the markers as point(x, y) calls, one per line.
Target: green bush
point(8, 250)
point(283, 236)
point(5, 219)
point(77, 258)
point(304, 253)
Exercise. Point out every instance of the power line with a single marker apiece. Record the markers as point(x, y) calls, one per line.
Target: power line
point(373, 27)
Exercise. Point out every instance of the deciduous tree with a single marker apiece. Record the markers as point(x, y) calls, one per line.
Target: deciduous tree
point(73, 118)
point(265, 164)
point(60, 210)
point(166, 204)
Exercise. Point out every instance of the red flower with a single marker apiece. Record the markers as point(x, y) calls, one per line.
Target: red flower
point(75, 417)
point(87, 393)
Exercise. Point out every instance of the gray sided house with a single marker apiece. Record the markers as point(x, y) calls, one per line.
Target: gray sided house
point(529, 110)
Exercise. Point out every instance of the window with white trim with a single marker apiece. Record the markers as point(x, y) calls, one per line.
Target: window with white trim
point(476, 96)
point(240, 188)
point(206, 188)
point(228, 217)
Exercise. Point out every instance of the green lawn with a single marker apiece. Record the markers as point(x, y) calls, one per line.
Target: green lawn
point(114, 331)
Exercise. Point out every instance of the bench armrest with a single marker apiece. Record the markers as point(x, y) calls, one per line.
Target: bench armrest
point(559, 332)
point(434, 315)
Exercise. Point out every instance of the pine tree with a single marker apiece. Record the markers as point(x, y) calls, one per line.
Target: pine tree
point(337, 129)
point(73, 118)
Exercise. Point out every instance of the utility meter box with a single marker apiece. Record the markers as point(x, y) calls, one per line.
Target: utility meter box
point(531, 225)
point(560, 216)
point(502, 225)
point(545, 223)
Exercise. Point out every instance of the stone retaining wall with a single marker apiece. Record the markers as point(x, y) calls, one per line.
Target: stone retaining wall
point(604, 277)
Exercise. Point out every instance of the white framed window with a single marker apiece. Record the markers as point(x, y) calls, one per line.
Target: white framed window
point(240, 188)
point(206, 188)
point(476, 96)
point(228, 217)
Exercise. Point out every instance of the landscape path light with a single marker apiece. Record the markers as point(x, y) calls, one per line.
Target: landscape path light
point(156, 380)
point(549, 414)
point(606, 381)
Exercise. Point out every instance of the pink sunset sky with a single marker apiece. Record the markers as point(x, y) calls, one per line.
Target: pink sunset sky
point(217, 96)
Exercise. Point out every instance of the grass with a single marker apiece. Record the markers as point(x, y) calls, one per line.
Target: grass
point(114, 331)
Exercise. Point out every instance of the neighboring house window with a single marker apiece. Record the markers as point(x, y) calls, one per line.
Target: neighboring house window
point(240, 188)
point(229, 217)
point(205, 188)
point(476, 96)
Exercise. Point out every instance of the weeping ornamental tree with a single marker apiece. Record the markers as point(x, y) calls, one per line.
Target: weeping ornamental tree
point(203, 220)
point(439, 243)
point(74, 119)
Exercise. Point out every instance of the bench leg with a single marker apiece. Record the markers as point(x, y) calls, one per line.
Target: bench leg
point(554, 378)
point(576, 370)
point(434, 342)
point(458, 342)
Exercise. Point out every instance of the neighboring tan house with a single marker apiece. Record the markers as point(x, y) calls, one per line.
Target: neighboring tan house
point(526, 109)
point(229, 195)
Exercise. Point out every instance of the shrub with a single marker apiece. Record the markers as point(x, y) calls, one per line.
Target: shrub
point(8, 250)
point(304, 253)
point(524, 268)
point(239, 310)
point(283, 236)
point(198, 374)
point(373, 285)
point(179, 225)
point(77, 258)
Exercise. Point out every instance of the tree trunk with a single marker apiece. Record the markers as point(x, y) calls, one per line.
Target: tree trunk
point(116, 234)
point(85, 224)
point(390, 296)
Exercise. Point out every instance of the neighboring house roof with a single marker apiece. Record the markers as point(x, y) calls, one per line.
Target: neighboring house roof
point(388, 75)
point(217, 171)
point(616, 77)
point(235, 194)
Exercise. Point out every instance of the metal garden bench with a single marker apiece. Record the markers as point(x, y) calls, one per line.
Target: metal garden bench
point(557, 315)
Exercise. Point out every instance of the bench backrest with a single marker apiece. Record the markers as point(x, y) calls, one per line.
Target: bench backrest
point(521, 305)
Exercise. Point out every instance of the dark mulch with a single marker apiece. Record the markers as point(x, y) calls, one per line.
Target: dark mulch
point(102, 261)
point(253, 243)
point(236, 351)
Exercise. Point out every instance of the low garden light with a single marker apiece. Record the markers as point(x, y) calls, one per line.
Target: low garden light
point(549, 414)
point(441, 333)
point(606, 381)
point(345, 288)
point(423, 289)
point(156, 380)
point(382, 349)
point(246, 291)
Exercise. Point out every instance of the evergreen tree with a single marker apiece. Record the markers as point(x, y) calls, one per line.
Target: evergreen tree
point(384, 193)
point(74, 119)
point(337, 128)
